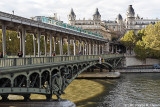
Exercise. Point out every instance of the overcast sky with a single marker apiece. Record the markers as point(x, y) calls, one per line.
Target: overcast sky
point(109, 9)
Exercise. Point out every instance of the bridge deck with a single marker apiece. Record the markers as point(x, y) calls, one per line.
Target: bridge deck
point(4, 70)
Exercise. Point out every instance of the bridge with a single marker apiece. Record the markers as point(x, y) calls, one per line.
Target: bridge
point(92, 44)
point(49, 75)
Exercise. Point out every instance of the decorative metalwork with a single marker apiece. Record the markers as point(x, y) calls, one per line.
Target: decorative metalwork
point(49, 78)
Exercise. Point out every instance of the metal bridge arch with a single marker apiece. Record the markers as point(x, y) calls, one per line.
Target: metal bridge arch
point(42, 80)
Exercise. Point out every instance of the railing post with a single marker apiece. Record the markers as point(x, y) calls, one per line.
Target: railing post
point(24, 59)
point(61, 58)
point(14, 62)
point(43, 60)
point(30, 60)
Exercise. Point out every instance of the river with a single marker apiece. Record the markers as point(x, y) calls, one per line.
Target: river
point(131, 90)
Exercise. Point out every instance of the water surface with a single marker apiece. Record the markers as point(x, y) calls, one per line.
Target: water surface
point(131, 90)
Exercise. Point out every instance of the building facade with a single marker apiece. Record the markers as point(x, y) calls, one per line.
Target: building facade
point(136, 23)
point(108, 28)
point(95, 25)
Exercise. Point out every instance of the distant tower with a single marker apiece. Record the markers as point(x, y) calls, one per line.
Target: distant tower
point(71, 15)
point(130, 21)
point(119, 19)
point(130, 12)
point(96, 15)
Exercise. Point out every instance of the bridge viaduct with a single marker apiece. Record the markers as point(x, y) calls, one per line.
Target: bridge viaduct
point(48, 75)
point(93, 45)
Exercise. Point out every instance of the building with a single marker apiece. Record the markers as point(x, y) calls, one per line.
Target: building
point(136, 23)
point(95, 25)
point(117, 27)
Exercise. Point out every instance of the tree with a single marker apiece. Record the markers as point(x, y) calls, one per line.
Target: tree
point(65, 49)
point(129, 40)
point(149, 44)
point(140, 34)
point(140, 50)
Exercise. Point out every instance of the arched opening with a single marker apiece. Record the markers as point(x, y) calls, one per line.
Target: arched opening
point(34, 80)
point(84, 65)
point(69, 75)
point(5, 82)
point(79, 67)
point(45, 77)
point(54, 72)
point(64, 72)
point(20, 81)
point(75, 70)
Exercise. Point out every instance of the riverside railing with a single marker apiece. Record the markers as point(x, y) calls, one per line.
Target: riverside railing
point(9, 62)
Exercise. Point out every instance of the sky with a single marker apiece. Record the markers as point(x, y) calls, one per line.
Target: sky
point(109, 9)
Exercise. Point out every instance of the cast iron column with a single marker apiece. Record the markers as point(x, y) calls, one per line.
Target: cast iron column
point(50, 44)
point(4, 38)
point(80, 46)
point(38, 40)
point(61, 45)
point(68, 48)
point(54, 40)
point(74, 46)
point(83, 47)
point(34, 44)
point(23, 40)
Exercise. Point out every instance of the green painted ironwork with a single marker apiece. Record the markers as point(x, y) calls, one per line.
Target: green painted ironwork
point(48, 75)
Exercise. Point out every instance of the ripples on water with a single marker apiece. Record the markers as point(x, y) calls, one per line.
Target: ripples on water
point(133, 89)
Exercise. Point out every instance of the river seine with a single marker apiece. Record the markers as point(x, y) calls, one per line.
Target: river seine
point(131, 90)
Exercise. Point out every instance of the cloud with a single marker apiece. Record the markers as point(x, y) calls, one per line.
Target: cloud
point(109, 9)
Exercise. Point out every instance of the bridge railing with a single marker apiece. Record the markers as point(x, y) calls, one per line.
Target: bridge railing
point(9, 62)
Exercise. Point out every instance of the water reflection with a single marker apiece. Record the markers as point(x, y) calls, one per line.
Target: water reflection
point(133, 89)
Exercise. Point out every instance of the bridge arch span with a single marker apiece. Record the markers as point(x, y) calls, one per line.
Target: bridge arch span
point(16, 75)
point(50, 79)
point(44, 70)
point(108, 64)
point(34, 71)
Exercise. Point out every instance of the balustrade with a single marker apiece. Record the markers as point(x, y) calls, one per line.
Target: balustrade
point(9, 62)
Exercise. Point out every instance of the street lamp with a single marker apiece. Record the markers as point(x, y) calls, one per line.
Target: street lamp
point(9, 36)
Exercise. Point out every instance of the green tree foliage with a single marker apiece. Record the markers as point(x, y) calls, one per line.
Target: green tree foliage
point(140, 34)
point(140, 50)
point(129, 40)
point(13, 45)
point(12, 42)
point(65, 49)
point(29, 44)
point(147, 43)
point(152, 40)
